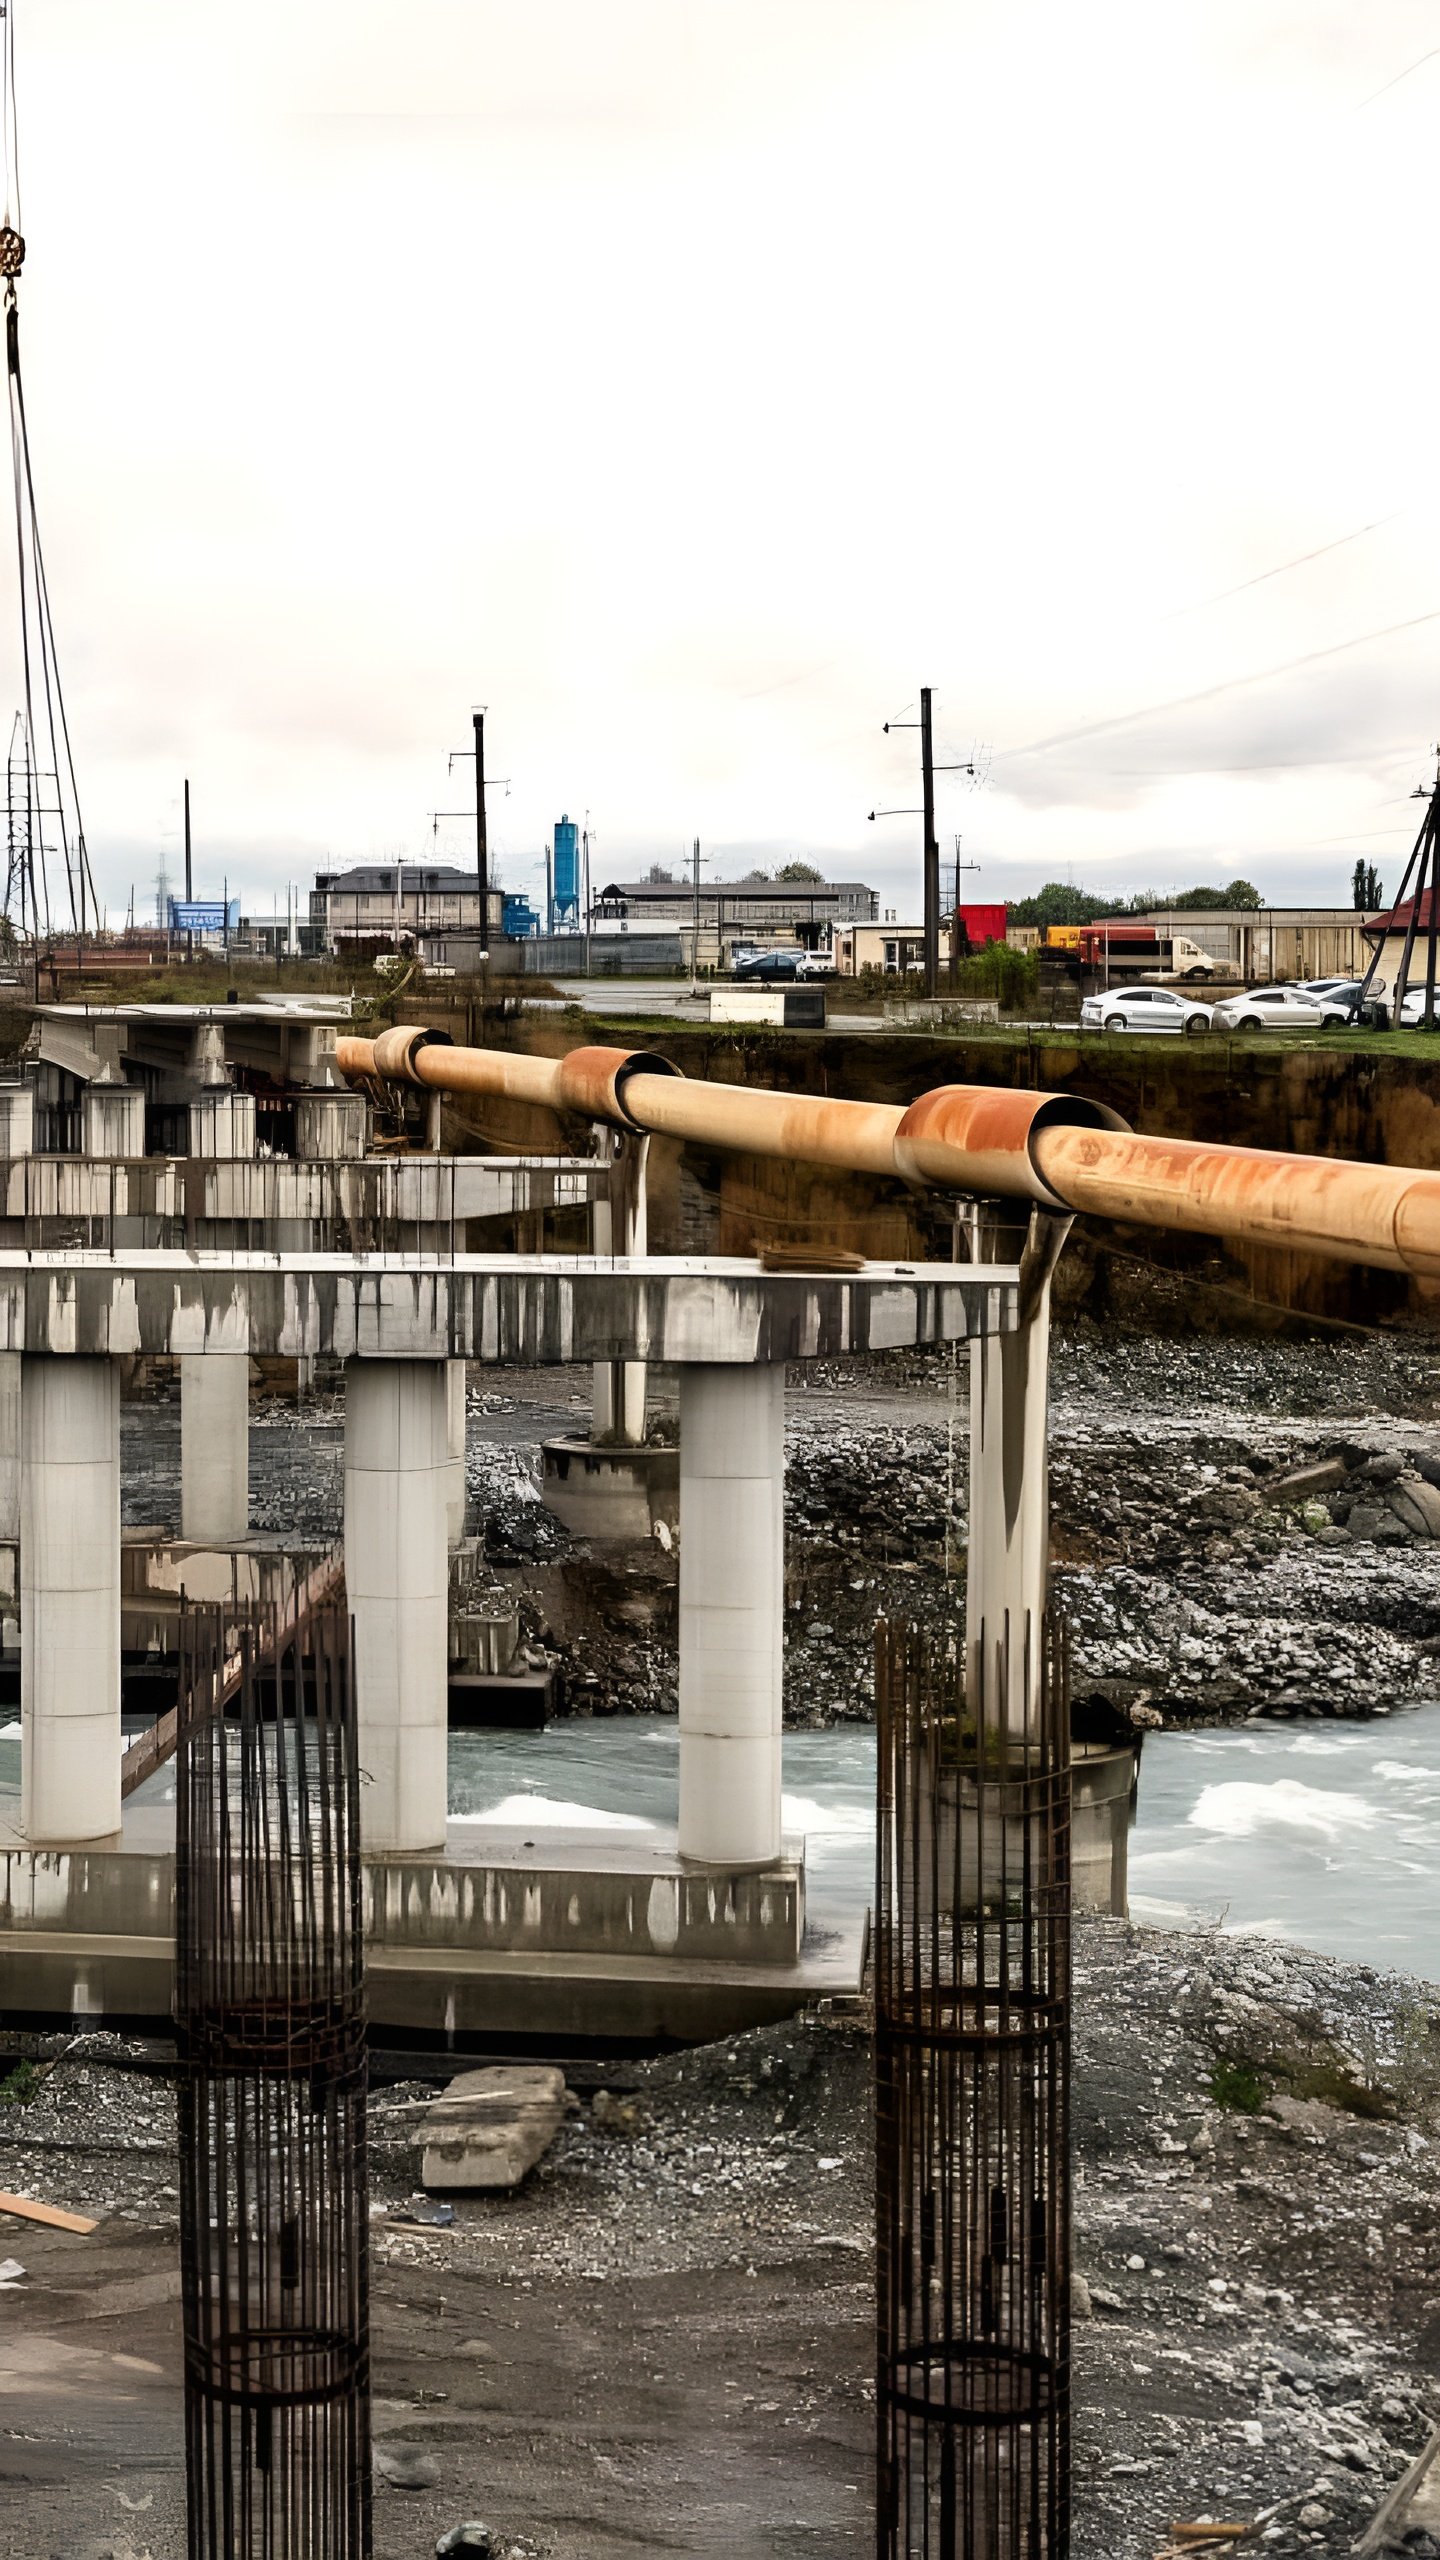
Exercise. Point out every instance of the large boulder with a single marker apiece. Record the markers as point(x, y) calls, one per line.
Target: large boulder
point(1417, 1505)
point(490, 2127)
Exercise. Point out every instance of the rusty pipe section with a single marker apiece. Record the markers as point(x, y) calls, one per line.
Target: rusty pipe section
point(1057, 1151)
point(592, 1082)
point(1386, 1215)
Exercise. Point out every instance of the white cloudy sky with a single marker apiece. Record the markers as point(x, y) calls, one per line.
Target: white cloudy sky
point(691, 380)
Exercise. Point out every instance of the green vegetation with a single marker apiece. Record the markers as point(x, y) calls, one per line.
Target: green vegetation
point(20, 2086)
point(1337, 2087)
point(1238, 2086)
point(1058, 903)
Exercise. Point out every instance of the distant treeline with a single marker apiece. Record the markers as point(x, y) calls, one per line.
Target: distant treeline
point(1058, 903)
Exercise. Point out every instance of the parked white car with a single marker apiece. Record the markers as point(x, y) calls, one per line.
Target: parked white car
point(1413, 1008)
point(1277, 1009)
point(816, 964)
point(1144, 1009)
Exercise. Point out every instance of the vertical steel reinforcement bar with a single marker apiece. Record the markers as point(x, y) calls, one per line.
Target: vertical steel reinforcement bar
point(972, 2058)
point(270, 2026)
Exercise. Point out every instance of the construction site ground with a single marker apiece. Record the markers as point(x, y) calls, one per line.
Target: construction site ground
point(664, 2343)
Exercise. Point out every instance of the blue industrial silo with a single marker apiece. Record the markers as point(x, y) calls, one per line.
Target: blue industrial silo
point(567, 875)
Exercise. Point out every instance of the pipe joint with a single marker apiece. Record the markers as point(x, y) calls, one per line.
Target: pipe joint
point(396, 1050)
point(967, 1137)
point(592, 1082)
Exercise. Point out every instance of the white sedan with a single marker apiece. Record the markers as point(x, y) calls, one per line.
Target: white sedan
point(1413, 1008)
point(1144, 1009)
point(1278, 1009)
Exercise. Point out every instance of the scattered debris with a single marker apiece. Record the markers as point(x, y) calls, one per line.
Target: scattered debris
point(28, 2211)
point(406, 2466)
point(422, 2212)
point(1388, 2529)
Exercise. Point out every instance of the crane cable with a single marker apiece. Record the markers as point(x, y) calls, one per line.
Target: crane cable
point(35, 613)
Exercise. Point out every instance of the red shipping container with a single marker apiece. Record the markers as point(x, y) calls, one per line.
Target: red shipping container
point(983, 924)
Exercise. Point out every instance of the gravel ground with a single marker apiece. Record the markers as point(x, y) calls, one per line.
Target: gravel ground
point(663, 2343)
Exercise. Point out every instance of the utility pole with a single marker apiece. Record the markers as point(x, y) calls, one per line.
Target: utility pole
point(930, 848)
point(189, 884)
point(955, 917)
point(695, 927)
point(482, 841)
point(585, 857)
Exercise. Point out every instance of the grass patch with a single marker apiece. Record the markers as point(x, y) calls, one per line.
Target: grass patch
point(1238, 2086)
point(20, 2085)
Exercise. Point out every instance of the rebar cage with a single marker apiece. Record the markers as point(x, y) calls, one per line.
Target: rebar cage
point(972, 2056)
point(270, 2027)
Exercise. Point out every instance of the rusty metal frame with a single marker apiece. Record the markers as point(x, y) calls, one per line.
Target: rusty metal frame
point(270, 2029)
point(971, 1955)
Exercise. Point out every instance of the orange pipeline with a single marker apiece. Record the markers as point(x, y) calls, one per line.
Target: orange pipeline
point(1055, 1150)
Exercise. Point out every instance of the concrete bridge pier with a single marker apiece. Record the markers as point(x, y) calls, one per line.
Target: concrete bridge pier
point(397, 1573)
point(455, 1431)
point(215, 1448)
point(732, 1612)
point(70, 1599)
point(9, 1448)
point(619, 1224)
point(1007, 1564)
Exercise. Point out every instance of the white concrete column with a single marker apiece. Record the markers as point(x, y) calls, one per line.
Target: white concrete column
point(732, 1612)
point(112, 1122)
point(1007, 1560)
point(17, 1119)
point(70, 1599)
point(455, 1419)
point(397, 1573)
point(9, 1448)
point(222, 1124)
point(619, 1224)
point(330, 1127)
point(215, 1448)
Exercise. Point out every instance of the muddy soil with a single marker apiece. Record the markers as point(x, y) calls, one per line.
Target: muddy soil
point(1199, 1579)
point(663, 2344)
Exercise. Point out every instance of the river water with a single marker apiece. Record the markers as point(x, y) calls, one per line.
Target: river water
point(1326, 1834)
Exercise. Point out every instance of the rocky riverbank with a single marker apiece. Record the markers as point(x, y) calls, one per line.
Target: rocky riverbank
point(664, 2342)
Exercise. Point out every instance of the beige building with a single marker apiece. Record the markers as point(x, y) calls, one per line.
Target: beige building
point(892, 948)
point(1261, 943)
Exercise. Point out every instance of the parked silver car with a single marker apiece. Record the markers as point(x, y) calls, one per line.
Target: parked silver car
point(1277, 1009)
point(1144, 1009)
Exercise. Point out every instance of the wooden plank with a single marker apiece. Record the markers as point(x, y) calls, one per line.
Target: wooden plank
point(47, 2213)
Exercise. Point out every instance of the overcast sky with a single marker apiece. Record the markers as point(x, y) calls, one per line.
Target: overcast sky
point(691, 380)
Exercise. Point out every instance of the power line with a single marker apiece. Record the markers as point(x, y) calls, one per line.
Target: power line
point(1387, 85)
point(1211, 692)
point(1282, 571)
